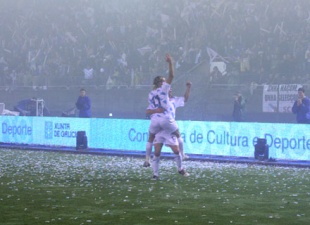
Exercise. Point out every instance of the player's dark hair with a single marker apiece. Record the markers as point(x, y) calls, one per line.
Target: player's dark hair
point(157, 80)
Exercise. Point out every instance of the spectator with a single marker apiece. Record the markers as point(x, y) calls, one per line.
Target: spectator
point(83, 104)
point(59, 36)
point(301, 107)
point(215, 75)
point(239, 108)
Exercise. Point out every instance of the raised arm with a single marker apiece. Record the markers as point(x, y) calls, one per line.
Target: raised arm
point(171, 70)
point(187, 91)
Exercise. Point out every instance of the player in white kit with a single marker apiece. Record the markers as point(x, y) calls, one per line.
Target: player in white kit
point(163, 122)
point(158, 100)
point(176, 102)
point(173, 140)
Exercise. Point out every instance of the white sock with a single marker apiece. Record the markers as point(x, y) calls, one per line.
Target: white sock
point(155, 164)
point(148, 151)
point(180, 140)
point(177, 159)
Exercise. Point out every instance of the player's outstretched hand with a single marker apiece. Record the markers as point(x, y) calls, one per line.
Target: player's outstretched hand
point(168, 58)
point(188, 84)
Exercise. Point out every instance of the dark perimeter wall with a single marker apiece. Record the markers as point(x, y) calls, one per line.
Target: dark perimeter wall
point(206, 103)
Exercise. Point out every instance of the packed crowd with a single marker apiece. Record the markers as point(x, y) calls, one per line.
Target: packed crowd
point(121, 42)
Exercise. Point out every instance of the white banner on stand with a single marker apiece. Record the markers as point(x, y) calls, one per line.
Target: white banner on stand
point(288, 93)
point(270, 98)
point(279, 98)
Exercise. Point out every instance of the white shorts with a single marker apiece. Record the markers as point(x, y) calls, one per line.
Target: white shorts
point(163, 137)
point(159, 123)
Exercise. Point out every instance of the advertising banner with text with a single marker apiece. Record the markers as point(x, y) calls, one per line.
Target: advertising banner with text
point(200, 137)
point(279, 98)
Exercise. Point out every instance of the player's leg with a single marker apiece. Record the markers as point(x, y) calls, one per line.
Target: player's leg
point(156, 159)
point(172, 142)
point(181, 144)
point(153, 129)
point(148, 151)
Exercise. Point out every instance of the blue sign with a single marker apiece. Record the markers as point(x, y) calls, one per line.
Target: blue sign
point(286, 141)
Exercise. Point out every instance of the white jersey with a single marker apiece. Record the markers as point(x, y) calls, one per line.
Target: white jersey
point(176, 103)
point(163, 136)
point(159, 98)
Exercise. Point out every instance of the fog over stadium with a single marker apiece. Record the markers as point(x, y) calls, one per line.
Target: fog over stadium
point(114, 48)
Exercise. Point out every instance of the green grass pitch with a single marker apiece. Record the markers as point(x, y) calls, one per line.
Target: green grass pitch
point(40, 187)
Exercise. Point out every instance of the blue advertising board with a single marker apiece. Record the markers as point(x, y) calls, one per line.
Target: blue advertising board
point(286, 141)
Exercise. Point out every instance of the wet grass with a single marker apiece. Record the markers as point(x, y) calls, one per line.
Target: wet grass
point(52, 188)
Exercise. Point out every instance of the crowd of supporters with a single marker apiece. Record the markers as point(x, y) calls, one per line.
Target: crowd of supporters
point(122, 42)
